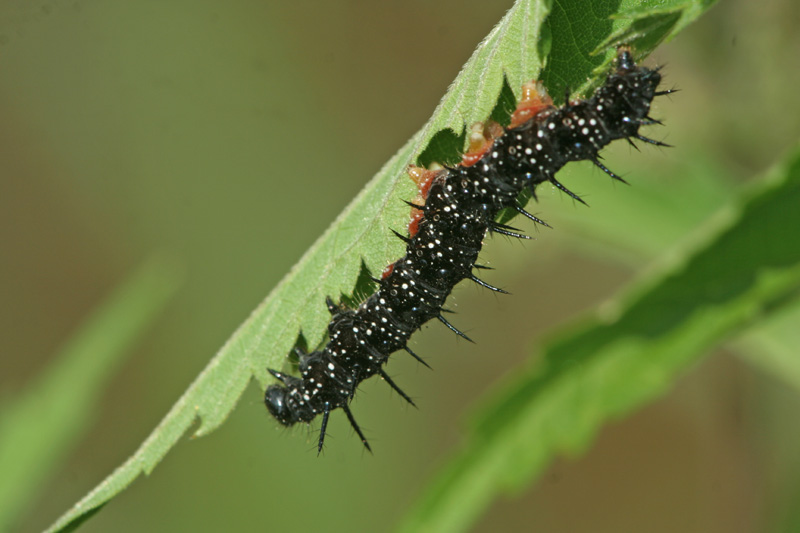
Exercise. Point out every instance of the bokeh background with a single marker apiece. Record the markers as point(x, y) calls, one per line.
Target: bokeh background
point(230, 135)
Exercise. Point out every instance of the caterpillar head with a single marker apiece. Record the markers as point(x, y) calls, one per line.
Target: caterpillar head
point(278, 400)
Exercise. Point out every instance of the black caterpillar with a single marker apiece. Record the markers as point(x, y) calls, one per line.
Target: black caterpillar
point(456, 207)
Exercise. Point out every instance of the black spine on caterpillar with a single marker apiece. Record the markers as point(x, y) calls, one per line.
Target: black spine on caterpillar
point(460, 207)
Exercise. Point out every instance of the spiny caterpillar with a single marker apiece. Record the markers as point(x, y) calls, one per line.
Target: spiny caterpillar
point(454, 210)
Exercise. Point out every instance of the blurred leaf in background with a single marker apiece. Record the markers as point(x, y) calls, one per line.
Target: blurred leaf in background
point(41, 426)
point(607, 367)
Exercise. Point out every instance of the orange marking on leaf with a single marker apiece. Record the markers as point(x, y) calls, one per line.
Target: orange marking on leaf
point(423, 177)
point(534, 100)
point(481, 138)
point(387, 271)
point(413, 225)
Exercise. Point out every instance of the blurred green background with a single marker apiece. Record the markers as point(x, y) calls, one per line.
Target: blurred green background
point(231, 134)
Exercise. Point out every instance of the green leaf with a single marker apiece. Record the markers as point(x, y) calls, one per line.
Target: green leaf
point(772, 345)
point(39, 428)
point(650, 25)
point(644, 221)
point(515, 51)
point(616, 362)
